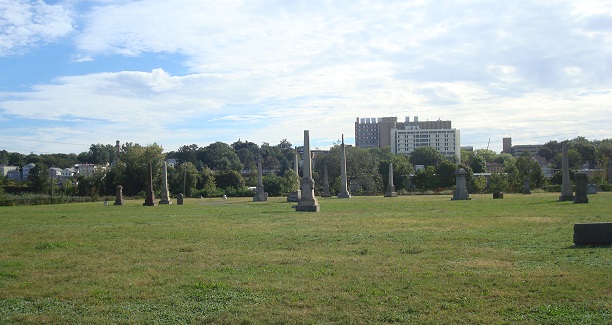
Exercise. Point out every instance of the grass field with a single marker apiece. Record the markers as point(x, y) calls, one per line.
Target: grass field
point(419, 259)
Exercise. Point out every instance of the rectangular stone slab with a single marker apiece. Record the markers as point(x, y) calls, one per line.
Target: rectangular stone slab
point(597, 233)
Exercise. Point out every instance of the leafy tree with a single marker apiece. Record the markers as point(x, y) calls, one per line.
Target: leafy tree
point(220, 156)
point(427, 156)
point(207, 182)
point(39, 178)
point(478, 164)
point(291, 181)
point(273, 184)
point(229, 179)
point(585, 148)
point(185, 176)
point(187, 154)
point(446, 173)
point(132, 169)
point(479, 183)
point(425, 179)
point(498, 182)
point(402, 169)
point(546, 153)
point(486, 154)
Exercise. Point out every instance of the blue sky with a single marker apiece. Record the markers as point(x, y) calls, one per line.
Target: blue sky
point(179, 72)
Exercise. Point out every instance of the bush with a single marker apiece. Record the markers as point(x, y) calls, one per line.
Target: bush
point(39, 199)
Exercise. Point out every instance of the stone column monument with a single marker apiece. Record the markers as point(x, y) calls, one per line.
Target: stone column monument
point(308, 201)
point(582, 181)
point(461, 192)
point(119, 195)
point(344, 193)
point(150, 196)
point(165, 195)
point(526, 187)
point(566, 185)
point(297, 194)
point(260, 194)
point(179, 199)
point(390, 187)
point(325, 192)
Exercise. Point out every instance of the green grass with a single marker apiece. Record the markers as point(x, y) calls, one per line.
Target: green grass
point(418, 259)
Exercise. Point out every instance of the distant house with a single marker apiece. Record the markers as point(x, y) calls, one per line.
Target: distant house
point(171, 162)
point(55, 173)
point(85, 169)
point(14, 175)
point(68, 172)
point(4, 169)
point(495, 167)
point(25, 170)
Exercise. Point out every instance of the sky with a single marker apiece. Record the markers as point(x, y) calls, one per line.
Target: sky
point(75, 73)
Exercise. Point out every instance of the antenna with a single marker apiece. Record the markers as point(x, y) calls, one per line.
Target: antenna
point(488, 143)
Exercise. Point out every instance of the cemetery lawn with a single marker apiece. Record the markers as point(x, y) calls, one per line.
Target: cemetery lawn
point(418, 259)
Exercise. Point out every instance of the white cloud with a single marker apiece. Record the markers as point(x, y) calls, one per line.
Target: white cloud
point(25, 24)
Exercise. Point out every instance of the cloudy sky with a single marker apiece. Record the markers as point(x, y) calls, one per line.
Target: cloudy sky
point(178, 72)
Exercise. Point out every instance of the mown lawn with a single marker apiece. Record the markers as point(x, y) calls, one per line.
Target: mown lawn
point(419, 259)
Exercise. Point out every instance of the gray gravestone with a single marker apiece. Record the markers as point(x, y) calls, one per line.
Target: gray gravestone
point(526, 189)
point(308, 201)
point(165, 195)
point(597, 233)
point(592, 189)
point(150, 195)
point(325, 192)
point(566, 185)
point(344, 193)
point(260, 194)
point(119, 195)
point(390, 187)
point(461, 192)
point(297, 194)
point(179, 199)
point(582, 180)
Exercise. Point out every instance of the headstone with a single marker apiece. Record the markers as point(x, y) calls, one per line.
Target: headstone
point(592, 189)
point(461, 192)
point(526, 189)
point(150, 196)
point(260, 194)
point(390, 187)
point(582, 181)
point(498, 195)
point(597, 233)
point(566, 185)
point(179, 199)
point(344, 193)
point(165, 195)
point(297, 194)
point(308, 201)
point(119, 195)
point(325, 192)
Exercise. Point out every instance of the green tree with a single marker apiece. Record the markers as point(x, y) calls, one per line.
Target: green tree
point(39, 179)
point(479, 183)
point(446, 173)
point(498, 182)
point(183, 177)
point(220, 156)
point(426, 156)
point(229, 179)
point(273, 185)
point(478, 164)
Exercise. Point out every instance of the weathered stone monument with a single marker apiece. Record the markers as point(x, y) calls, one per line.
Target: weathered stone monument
point(119, 195)
point(596, 233)
point(344, 193)
point(150, 195)
point(591, 188)
point(582, 181)
point(260, 194)
point(461, 192)
point(325, 192)
point(165, 195)
point(526, 188)
point(390, 187)
point(179, 199)
point(297, 194)
point(308, 201)
point(566, 185)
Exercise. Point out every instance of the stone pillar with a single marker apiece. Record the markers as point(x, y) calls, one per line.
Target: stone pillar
point(344, 193)
point(119, 195)
point(390, 187)
point(582, 181)
point(150, 196)
point(165, 195)
point(526, 187)
point(325, 192)
point(609, 170)
point(296, 166)
point(179, 199)
point(308, 201)
point(461, 192)
point(260, 194)
point(566, 186)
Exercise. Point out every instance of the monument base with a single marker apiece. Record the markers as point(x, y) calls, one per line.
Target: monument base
point(165, 202)
point(118, 203)
point(597, 233)
point(261, 197)
point(344, 195)
point(498, 195)
point(580, 199)
point(391, 194)
point(307, 208)
point(294, 196)
point(566, 198)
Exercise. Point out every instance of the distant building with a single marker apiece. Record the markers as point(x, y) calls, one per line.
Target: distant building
point(494, 167)
point(507, 145)
point(376, 132)
point(25, 170)
point(4, 169)
point(518, 150)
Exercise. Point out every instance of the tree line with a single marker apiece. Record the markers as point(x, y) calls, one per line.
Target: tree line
point(231, 169)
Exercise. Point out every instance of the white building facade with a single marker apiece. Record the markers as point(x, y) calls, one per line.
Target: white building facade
point(445, 141)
